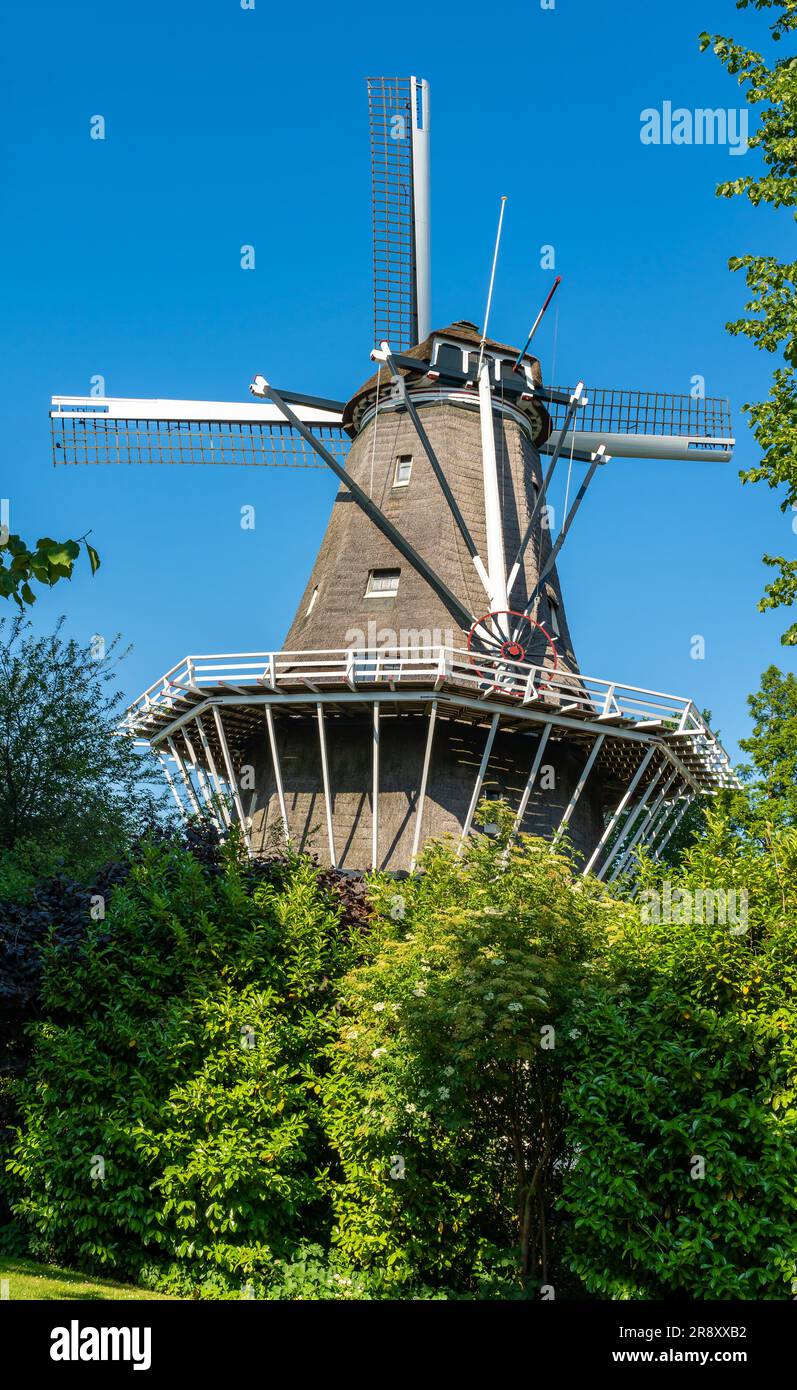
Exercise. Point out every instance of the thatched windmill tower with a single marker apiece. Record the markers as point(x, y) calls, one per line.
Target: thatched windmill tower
point(429, 662)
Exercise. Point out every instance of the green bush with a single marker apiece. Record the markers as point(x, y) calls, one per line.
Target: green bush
point(171, 1111)
point(443, 1100)
point(683, 1099)
point(491, 1080)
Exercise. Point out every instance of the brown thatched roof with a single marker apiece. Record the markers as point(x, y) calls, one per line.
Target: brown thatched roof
point(463, 331)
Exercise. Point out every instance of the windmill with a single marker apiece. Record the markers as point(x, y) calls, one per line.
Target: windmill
point(429, 662)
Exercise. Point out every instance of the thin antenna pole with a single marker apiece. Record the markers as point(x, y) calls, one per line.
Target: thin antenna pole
point(492, 282)
point(557, 282)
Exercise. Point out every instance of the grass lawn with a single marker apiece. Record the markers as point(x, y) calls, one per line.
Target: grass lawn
point(27, 1279)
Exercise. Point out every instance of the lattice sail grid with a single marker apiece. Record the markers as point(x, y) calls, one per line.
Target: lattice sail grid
point(649, 412)
point(391, 117)
point(94, 438)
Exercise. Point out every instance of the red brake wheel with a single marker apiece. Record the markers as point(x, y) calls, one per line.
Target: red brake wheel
point(506, 636)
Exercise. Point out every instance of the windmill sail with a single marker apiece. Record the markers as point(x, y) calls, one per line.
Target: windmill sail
point(631, 424)
point(647, 425)
point(399, 124)
point(91, 429)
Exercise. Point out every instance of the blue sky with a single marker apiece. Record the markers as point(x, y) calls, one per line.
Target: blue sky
point(226, 127)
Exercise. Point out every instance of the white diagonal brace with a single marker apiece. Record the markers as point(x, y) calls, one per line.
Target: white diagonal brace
point(599, 457)
point(322, 740)
point(474, 801)
point(575, 401)
point(624, 800)
point(651, 828)
point(634, 841)
point(532, 777)
point(184, 773)
point(204, 785)
point(668, 826)
point(657, 811)
point(275, 762)
point(427, 758)
point(668, 812)
point(208, 752)
point(619, 846)
point(663, 843)
point(181, 808)
point(578, 789)
point(231, 778)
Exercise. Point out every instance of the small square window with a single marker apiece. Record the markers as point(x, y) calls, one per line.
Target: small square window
point(403, 470)
point(382, 584)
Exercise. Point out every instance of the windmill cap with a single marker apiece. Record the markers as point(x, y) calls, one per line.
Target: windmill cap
point(463, 331)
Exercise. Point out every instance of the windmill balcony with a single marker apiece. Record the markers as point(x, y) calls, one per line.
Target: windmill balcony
point(263, 737)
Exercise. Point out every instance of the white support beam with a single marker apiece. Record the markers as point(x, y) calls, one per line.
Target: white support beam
point(624, 800)
point(375, 792)
point(474, 801)
point(184, 773)
point(658, 810)
point(578, 789)
point(208, 752)
point(231, 779)
point(532, 777)
point(668, 825)
point(172, 788)
point(204, 785)
point(619, 846)
point(322, 740)
point(636, 837)
point(427, 757)
point(653, 825)
point(275, 762)
point(662, 845)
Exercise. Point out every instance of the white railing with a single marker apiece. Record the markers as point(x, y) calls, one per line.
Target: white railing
point(565, 693)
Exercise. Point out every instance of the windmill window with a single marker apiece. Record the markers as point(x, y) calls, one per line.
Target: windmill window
point(382, 584)
point(403, 470)
point(448, 358)
point(311, 604)
point(553, 608)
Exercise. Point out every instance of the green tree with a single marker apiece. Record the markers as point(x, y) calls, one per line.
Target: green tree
point(71, 788)
point(773, 744)
point(683, 1092)
point(771, 88)
point(768, 796)
point(444, 1097)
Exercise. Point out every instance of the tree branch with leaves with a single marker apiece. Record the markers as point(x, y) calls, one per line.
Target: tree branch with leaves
point(49, 561)
point(771, 321)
